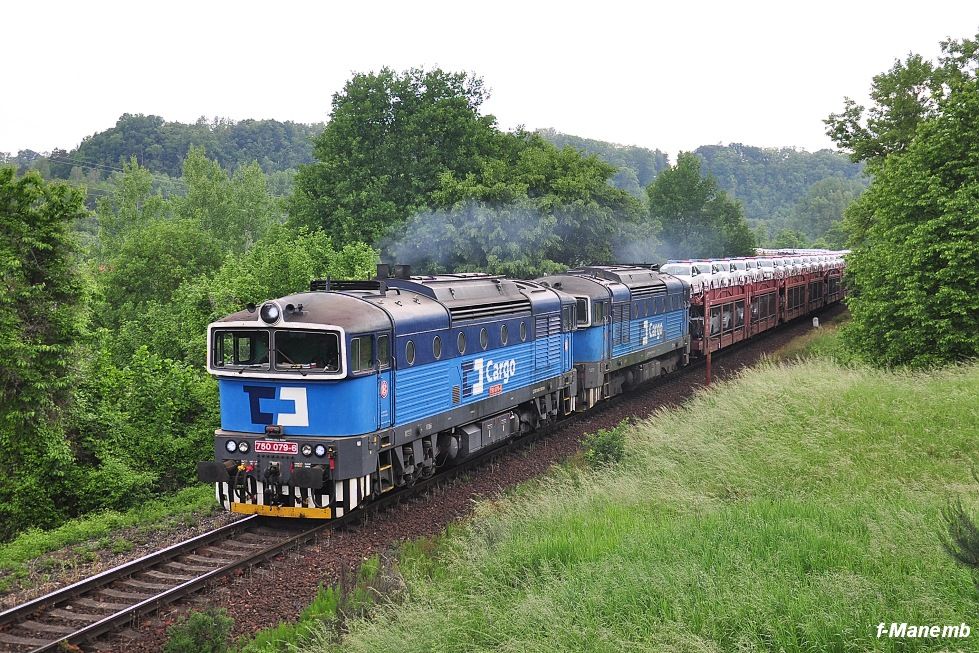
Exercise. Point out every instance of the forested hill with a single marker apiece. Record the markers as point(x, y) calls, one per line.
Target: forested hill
point(638, 166)
point(770, 182)
point(791, 197)
point(161, 146)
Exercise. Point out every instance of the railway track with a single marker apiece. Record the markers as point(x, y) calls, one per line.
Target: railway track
point(117, 598)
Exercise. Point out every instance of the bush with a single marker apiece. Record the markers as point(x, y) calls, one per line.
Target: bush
point(200, 632)
point(605, 447)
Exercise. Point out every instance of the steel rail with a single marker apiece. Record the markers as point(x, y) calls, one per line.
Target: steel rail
point(124, 570)
point(157, 601)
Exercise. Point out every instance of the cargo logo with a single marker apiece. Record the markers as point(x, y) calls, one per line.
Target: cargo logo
point(651, 331)
point(477, 374)
point(279, 406)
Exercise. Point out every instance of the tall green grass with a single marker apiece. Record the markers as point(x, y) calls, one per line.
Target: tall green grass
point(792, 509)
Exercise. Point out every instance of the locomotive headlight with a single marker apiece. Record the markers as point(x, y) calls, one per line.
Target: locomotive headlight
point(269, 313)
point(231, 446)
point(320, 451)
point(242, 447)
point(307, 450)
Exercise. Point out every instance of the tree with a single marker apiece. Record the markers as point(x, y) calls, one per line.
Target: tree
point(129, 207)
point(819, 215)
point(915, 231)
point(788, 239)
point(150, 265)
point(283, 262)
point(531, 211)
point(904, 96)
point(236, 210)
point(769, 181)
point(697, 219)
point(390, 138)
point(161, 146)
point(637, 166)
point(41, 319)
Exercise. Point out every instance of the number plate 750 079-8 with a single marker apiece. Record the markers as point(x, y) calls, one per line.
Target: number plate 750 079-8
point(274, 446)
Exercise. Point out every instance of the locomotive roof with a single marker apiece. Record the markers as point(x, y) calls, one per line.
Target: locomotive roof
point(469, 295)
point(628, 275)
point(580, 285)
point(597, 281)
point(349, 312)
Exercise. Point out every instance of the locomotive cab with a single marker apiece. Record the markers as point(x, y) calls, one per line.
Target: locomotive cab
point(303, 385)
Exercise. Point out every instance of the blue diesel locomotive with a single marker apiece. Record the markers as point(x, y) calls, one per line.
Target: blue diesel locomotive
point(332, 397)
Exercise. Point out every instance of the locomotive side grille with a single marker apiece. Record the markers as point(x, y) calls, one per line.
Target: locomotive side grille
point(547, 325)
point(456, 394)
point(460, 313)
point(648, 291)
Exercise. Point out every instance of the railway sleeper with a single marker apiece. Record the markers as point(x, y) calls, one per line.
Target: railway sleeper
point(19, 640)
point(72, 615)
point(101, 605)
point(40, 627)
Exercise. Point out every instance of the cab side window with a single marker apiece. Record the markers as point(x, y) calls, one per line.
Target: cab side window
point(598, 313)
point(582, 311)
point(567, 315)
point(362, 354)
point(384, 351)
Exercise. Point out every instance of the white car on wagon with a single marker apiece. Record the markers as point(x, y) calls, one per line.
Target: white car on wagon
point(697, 273)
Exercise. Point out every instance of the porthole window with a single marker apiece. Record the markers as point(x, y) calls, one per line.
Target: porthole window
point(483, 339)
point(410, 352)
point(461, 342)
point(437, 347)
point(504, 334)
point(523, 332)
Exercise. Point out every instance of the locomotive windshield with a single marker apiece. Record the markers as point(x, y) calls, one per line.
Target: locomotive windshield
point(241, 348)
point(307, 350)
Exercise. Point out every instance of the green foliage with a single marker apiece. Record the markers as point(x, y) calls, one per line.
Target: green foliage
point(41, 320)
point(605, 446)
point(235, 210)
point(903, 97)
point(915, 296)
point(960, 537)
point(697, 219)
point(819, 214)
point(161, 146)
point(142, 427)
point(375, 581)
point(791, 509)
point(825, 343)
point(769, 181)
point(537, 211)
point(636, 166)
point(24, 550)
point(130, 206)
point(282, 263)
point(390, 138)
point(788, 239)
point(151, 263)
point(284, 637)
point(200, 632)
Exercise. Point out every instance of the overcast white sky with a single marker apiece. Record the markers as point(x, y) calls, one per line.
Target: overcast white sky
point(668, 75)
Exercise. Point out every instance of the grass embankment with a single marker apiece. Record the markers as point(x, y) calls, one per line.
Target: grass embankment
point(793, 508)
point(99, 532)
